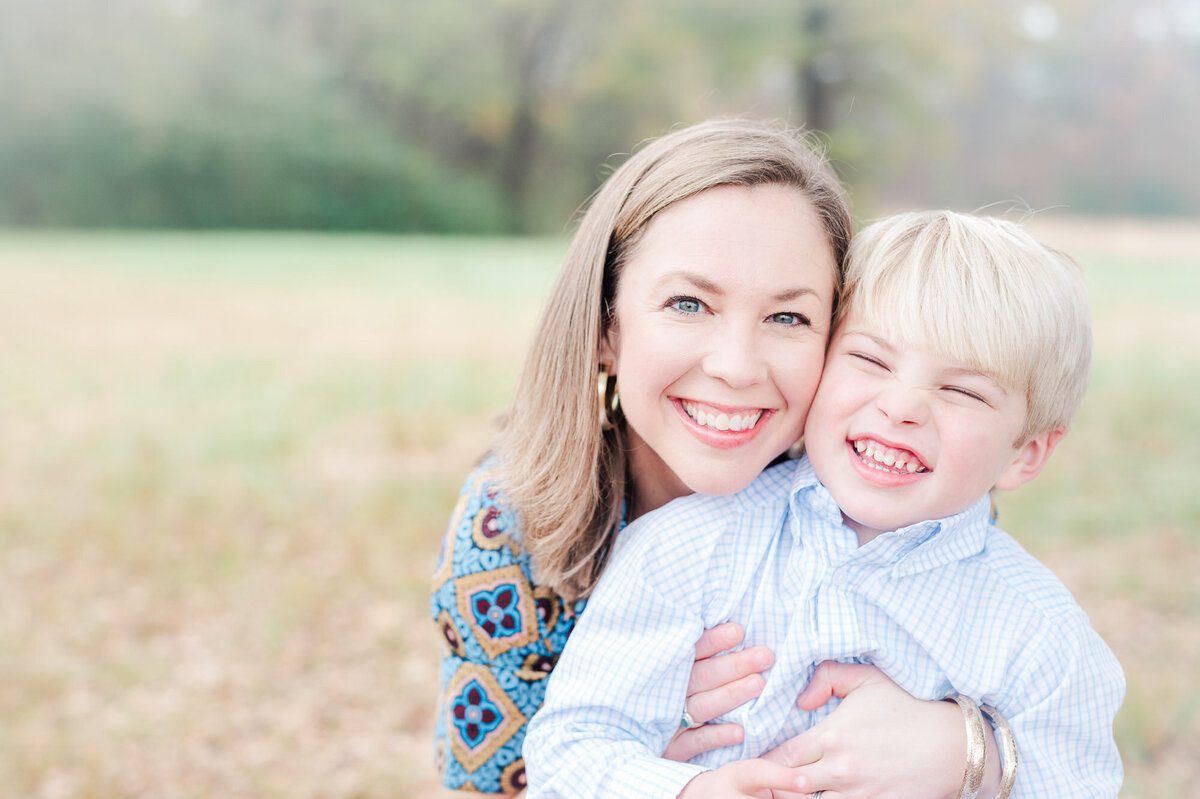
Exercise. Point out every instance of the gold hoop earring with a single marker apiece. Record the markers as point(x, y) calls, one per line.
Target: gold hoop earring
point(610, 402)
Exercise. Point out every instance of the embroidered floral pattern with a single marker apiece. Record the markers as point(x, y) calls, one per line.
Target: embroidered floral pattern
point(480, 716)
point(549, 605)
point(474, 715)
point(495, 611)
point(498, 605)
point(485, 530)
point(500, 637)
point(450, 637)
point(512, 779)
point(536, 667)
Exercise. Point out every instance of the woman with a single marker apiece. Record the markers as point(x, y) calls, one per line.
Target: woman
point(536, 521)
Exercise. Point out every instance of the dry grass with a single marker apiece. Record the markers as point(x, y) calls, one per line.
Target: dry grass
point(226, 462)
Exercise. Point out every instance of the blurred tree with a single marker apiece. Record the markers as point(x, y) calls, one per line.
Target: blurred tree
point(482, 116)
point(175, 114)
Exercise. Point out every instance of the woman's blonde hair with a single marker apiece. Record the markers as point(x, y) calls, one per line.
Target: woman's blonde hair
point(983, 292)
point(566, 478)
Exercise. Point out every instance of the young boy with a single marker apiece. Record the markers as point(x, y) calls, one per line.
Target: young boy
point(960, 354)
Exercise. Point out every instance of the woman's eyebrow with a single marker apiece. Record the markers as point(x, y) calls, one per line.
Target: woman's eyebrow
point(698, 281)
point(705, 284)
point(796, 293)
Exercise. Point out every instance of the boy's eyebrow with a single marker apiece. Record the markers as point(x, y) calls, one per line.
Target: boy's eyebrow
point(705, 284)
point(882, 342)
point(963, 371)
point(953, 371)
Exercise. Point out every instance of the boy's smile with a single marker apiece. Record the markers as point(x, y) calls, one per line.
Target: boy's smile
point(887, 459)
point(901, 435)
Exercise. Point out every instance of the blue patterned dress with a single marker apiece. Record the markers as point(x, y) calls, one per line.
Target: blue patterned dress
point(501, 635)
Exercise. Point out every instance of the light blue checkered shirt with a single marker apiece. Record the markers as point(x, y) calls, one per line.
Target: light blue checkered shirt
point(941, 606)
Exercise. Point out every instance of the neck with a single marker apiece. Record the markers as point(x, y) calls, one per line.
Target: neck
point(865, 534)
point(652, 484)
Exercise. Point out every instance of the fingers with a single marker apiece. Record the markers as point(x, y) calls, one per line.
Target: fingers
point(707, 705)
point(718, 639)
point(778, 794)
point(713, 672)
point(835, 679)
point(765, 775)
point(688, 743)
point(748, 777)
point(804, 749)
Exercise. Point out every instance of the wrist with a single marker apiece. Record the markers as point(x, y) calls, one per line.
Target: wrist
point(1003, 756)
point(976, 760)
point(991, 752)
point(991, 763)
point(695, 786)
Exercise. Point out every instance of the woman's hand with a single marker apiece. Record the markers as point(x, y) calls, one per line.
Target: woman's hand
point(880, 742)
point(748, 779)
point(718, 684)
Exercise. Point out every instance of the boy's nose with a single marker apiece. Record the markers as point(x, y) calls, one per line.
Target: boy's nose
point(904, 404)
point(735, 357)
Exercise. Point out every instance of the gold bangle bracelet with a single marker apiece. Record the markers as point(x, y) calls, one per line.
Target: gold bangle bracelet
point(1008, 750)
point(976, 747)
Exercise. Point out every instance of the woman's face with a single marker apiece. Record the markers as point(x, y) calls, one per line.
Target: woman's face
point(721, 319)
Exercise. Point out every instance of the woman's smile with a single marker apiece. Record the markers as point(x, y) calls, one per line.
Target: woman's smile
point(722, 419)
point(722, 427)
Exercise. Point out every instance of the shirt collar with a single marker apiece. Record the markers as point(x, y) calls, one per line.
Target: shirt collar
point(916, 548)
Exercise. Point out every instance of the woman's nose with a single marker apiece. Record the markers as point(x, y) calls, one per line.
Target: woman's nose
point(735, 356)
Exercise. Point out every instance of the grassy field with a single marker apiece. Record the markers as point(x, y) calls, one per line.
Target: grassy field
point(226, 461)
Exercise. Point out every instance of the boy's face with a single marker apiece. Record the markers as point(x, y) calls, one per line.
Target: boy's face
point(901, 436)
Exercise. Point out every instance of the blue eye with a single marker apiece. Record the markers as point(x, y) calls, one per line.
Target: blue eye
point(790, 319)
point(686, 305)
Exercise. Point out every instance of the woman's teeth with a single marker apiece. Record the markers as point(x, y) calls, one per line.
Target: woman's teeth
point(886, 459)
point(734, 422)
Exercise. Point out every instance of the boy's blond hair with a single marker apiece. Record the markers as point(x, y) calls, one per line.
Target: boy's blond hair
point(565, 477)
point(983, 292)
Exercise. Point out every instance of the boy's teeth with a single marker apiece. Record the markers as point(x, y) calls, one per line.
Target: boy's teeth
point(733, 422)
point(888, 459)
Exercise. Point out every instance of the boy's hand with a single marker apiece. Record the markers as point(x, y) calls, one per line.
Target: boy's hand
point(752, 779)
point(718, 684)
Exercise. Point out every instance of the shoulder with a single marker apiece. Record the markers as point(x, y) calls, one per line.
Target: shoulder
point(1050, 634)
point(1024, 578)
point(482, 561)
point(483, 520)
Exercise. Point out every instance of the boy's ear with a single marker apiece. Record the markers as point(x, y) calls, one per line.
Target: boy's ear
point(1029, 460)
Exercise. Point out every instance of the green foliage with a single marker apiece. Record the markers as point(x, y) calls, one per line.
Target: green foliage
point(216, 119)
point(95, 169)
point(461, 115)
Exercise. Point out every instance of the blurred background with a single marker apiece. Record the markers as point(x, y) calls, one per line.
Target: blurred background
point(492, 117)
point(268, 269)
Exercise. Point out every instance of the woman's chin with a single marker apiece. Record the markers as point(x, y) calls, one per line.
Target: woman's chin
point(724, 483)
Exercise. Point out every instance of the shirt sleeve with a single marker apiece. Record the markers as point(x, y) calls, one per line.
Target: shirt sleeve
point(1065, 740)
point(500, 634)
point(618, 693)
